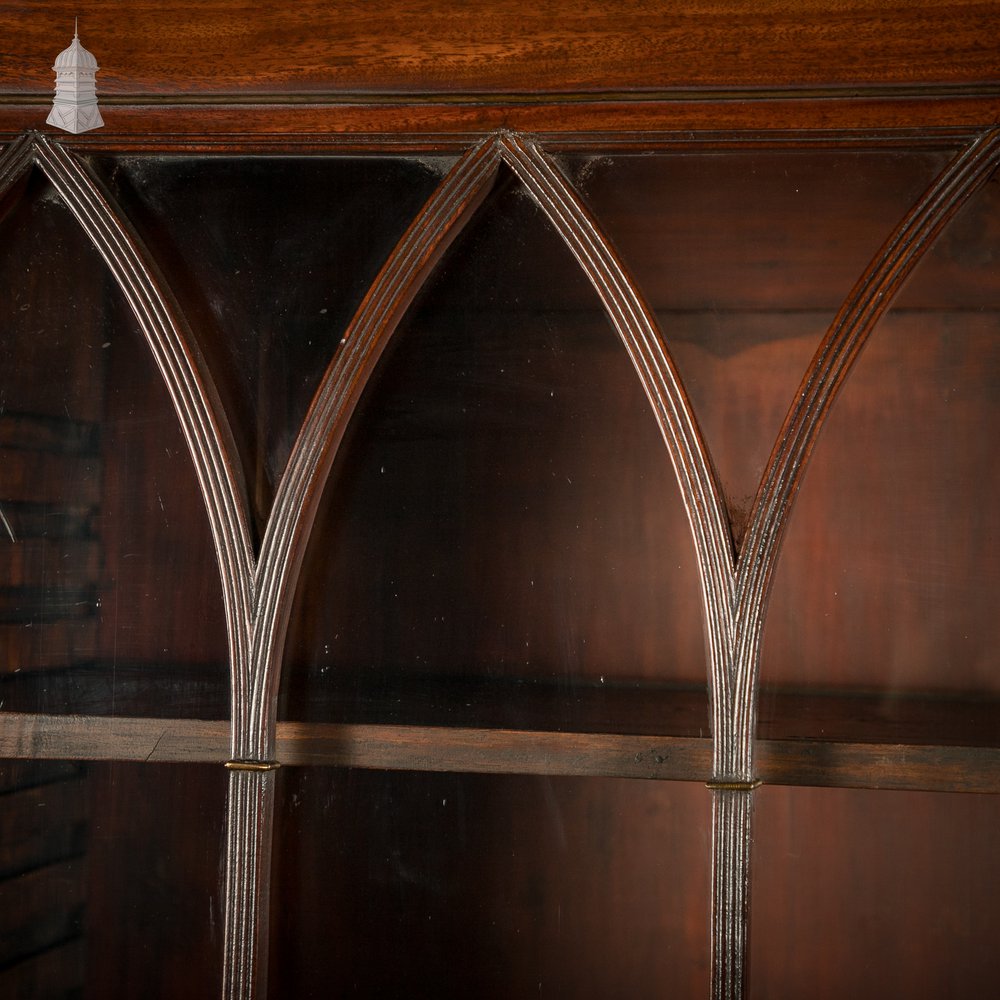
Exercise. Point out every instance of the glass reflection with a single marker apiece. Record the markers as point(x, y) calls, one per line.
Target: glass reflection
point(110, 600)
point(390, 884)
point(109, 891)
point(874, 894)
point(502, 527)
point(746, 255)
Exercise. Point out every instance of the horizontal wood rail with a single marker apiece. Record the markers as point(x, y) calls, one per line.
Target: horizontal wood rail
point(505, 751)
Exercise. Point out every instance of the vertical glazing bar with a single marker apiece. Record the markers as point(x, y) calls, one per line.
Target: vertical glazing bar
point(732, 814)
point(248, 864)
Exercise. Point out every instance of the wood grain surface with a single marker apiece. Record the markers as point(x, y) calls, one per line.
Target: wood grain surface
point(503, 751)
point(491, 46)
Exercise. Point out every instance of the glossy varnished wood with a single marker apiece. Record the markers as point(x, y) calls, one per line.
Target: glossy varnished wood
point(405, 46)
point(455, 126)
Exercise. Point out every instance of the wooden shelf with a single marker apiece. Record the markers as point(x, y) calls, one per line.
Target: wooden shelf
point(879, 717)
point(927, 766)
point(866, 739)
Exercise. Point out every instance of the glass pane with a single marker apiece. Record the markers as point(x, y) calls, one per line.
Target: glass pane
point(270, 257)
point(110, 600)
point(502, 539)
point(108, 890)
point(456, 885)
point(873, 894)
point(891, 567)
point(746, 255)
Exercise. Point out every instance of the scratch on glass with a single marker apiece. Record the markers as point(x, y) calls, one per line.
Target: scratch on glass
point(6, 524)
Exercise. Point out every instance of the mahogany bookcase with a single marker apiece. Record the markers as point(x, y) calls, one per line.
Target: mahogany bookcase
point(502, 541)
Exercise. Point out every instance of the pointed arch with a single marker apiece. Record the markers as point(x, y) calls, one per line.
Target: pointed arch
point(190, 389)
point(634, 322)
point(15, 160)
point(419, 249)
point(871, 297)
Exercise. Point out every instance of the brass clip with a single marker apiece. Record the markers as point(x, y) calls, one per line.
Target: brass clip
point(734, 786)
point(252, 765)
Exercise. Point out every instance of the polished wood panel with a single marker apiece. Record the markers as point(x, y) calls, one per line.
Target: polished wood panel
point(190, 388)
point(366, 123)
point(55, 973)
point(39, 561)
point(408, 46)
point(756, 232)
point(889, 575)
point(744, 305)
point(19, 774)
point(269, 259)
point(57, 646)
point(43, 823)
point(161, 605)
point(505, 474)
point(99, 496)
point(41, 909)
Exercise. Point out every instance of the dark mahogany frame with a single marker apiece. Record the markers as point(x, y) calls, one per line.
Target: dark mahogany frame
point(258, 591)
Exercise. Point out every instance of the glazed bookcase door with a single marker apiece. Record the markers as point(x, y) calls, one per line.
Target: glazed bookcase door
point(479, 563)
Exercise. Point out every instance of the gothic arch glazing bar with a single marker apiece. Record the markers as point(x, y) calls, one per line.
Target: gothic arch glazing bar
point(205, 431)
point(190, 389)
point(731, 807)
point(315, 449)
point(661, 382)
point(735, 595)
point(871, 297)
point(251, 798)
point(419, 249)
